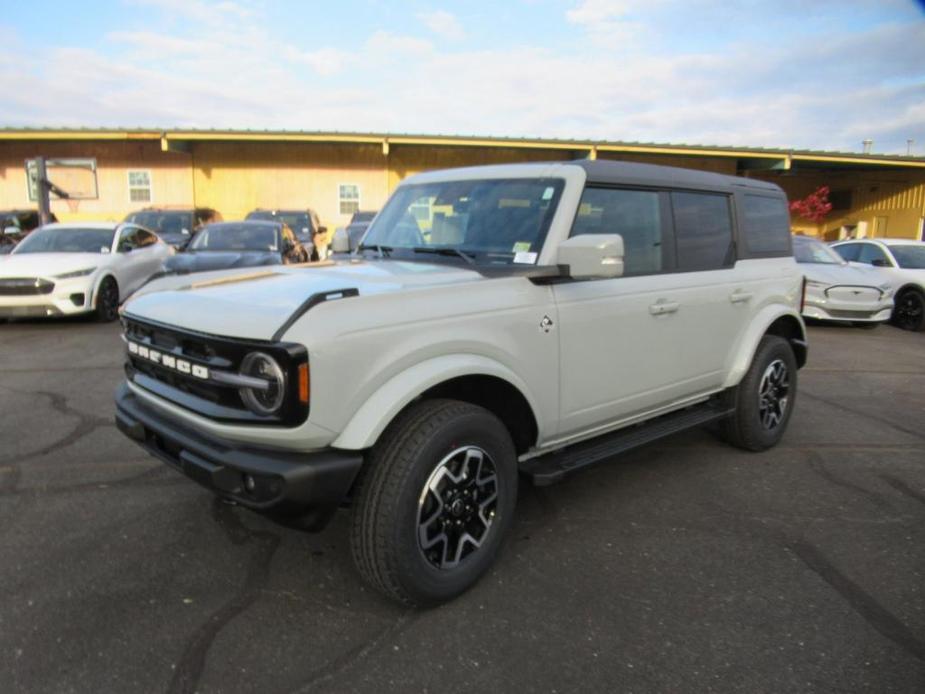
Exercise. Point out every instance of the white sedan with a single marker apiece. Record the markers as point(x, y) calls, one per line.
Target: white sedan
point(65, 269)
point(837, 291)
point(901, 262)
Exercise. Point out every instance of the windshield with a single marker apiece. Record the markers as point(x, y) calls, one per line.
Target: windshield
point(67, 240)
point(909, 257)
point(493, 221)
point(235, 237)
point(163, 222)
point(299, 222)
point(811, 251)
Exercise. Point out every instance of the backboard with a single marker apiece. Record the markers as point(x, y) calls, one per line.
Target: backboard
point(76, 177)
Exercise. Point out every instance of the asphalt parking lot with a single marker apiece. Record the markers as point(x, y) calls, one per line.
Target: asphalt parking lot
point(685, 566)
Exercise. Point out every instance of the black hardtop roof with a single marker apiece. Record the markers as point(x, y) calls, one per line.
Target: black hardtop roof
point(623, 172)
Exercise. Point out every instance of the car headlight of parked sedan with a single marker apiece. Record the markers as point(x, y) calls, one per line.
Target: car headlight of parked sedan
point(75, 273)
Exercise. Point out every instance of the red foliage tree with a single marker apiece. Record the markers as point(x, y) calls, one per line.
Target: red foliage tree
point(814, 206)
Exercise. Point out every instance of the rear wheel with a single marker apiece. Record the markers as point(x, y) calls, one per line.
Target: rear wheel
point(909, 311)
point(764, 399)
point(434, 502)
point(107, 301)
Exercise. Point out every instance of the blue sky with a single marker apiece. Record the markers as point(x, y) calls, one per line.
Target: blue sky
point(821, 75)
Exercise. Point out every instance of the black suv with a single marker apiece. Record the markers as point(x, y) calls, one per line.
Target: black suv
point(304, 223)
point(175, 225)
point(15, 225)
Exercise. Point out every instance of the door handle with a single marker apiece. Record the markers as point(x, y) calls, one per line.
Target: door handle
point(662, 307)
point(738, 296)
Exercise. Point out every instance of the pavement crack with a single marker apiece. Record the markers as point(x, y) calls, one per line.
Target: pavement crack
point(865, 414)
point(903, 488)
point(860, 601)
point(356, 654)
point(85, 423)
point(818, 466)
point(189, 671)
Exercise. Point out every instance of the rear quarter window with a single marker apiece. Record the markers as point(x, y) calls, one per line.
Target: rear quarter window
point(767, 225)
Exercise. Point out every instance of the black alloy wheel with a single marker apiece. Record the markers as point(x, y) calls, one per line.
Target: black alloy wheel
point(909, 311)
point(773, 394)
point(457, 506)
point(107, 301)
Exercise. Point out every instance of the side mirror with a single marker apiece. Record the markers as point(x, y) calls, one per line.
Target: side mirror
point(880, 262)
point(341, 241)
point(592, 256)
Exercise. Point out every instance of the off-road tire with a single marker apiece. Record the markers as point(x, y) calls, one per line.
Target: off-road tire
point(745, 429)
point(385, 523)
point(107, 301)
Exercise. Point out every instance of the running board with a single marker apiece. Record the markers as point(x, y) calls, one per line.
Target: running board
point(551, 468)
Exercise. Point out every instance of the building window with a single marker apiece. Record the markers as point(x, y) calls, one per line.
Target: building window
point(139, 186)
point(349, 196)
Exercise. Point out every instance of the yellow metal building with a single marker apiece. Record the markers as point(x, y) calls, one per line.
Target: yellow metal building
point(337, 173)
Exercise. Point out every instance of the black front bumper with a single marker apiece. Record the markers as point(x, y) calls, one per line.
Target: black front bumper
point(300, 488)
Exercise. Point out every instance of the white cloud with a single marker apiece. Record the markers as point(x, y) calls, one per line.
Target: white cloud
point(444, 24)
point(594, 12)
point(386, 44)
point(324, 61)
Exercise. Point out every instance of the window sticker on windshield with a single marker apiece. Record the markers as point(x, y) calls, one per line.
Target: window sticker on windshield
point(547, 194)
point(521, 246)
point(525, 257)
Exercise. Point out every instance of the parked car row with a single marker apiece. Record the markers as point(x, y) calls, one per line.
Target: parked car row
point(67, 269)
point(863, 281)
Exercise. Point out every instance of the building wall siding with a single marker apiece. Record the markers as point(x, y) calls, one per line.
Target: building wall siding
point(236, 176)
point(171, 178)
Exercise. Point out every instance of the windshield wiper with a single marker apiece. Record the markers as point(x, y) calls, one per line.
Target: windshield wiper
point(383, 251)
point(468, 257)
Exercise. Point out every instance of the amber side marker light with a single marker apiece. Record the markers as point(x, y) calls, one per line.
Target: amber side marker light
point(303, 383)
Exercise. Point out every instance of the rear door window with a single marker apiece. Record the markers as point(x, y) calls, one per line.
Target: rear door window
point(703, 230)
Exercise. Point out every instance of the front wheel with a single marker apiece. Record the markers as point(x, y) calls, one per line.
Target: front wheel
point(764, 399)
point(909, 311)
point(434, 502)
point(107, 301)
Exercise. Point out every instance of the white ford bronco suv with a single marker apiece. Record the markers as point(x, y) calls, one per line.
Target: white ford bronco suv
point(525, 319)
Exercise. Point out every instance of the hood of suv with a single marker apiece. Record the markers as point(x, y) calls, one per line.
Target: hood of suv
point(255, 304)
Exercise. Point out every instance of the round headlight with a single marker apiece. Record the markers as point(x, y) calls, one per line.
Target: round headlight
point(263, 401)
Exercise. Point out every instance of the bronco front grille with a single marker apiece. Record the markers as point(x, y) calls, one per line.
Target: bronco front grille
point(207, 354)
point(25, 286)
